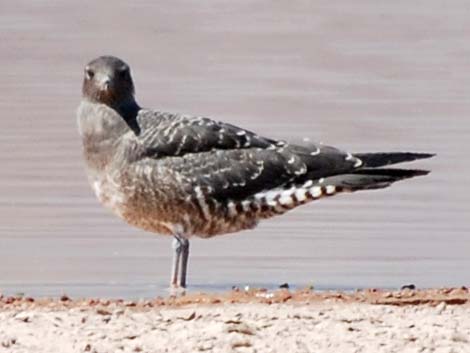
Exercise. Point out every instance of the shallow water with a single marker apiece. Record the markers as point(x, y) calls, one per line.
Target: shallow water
point(373, 77)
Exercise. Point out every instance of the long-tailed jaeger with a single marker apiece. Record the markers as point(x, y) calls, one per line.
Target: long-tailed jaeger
point(187, 176)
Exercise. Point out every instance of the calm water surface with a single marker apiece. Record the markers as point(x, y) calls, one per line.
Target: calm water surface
point(378, 76)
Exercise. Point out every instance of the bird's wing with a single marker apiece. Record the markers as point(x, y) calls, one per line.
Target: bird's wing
point(166, 135)
point(230, 162)
point(238, 174)
point(233, 174)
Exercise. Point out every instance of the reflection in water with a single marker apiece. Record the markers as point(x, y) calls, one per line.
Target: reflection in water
point(364, 78)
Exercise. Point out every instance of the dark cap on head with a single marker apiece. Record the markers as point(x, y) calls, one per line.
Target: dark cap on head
point(108, 80)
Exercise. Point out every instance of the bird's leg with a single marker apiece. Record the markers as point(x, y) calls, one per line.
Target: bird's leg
point(184, 262)
point(176, 245)
point(180, 261)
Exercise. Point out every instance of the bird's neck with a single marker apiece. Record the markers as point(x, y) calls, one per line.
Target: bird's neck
point(128, 110)
point(102, 129)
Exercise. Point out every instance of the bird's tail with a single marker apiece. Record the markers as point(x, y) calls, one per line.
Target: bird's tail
point(366, 177)
point(369, 178)
point(374, 160)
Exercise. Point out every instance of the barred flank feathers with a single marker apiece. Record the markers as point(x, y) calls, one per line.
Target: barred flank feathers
point(282, 200)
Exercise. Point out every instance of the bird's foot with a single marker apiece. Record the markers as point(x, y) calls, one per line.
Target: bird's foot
point(177, 291)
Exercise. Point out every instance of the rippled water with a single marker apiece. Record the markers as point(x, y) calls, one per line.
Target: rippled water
point(368, 77)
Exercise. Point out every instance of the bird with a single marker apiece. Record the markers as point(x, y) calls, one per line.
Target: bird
point(184, 176)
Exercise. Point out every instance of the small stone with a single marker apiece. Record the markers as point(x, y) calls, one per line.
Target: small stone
point(103, 312)
point(23, 317)
point(441, 307)
point(107, 319)
point(352, 329)
point(189, 317)
point(205, 346)
point(285, 297)
point(8, 342)
point(118, 312)
point(233, 321)
point(64, 298)
point(240, 328)
point(243, 343)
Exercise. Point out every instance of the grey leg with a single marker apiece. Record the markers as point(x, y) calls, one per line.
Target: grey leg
point(184, 262)
point(176, 245)
point(180, 262)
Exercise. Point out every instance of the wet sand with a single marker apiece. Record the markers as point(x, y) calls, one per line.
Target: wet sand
point(243, 321)
point(369, 77)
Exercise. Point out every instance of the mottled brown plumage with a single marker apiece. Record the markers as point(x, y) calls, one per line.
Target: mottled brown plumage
point(192, 176)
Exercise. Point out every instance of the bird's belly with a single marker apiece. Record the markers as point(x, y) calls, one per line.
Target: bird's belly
point(163, 213)
point(174, 217)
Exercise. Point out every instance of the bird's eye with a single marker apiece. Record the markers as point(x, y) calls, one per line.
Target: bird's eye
point(89, 73)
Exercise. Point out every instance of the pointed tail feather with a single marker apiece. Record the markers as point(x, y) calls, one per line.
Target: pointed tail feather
point(367, 179)
point(374, 160)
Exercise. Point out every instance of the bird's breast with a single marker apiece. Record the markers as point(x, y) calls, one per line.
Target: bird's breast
point(110, 194)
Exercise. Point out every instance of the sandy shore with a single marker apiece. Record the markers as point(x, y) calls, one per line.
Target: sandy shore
point(243, 321)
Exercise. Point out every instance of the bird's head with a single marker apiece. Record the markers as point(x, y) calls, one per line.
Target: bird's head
point(108, 80)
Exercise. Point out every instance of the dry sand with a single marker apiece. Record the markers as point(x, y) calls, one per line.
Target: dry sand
point(243, 321)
